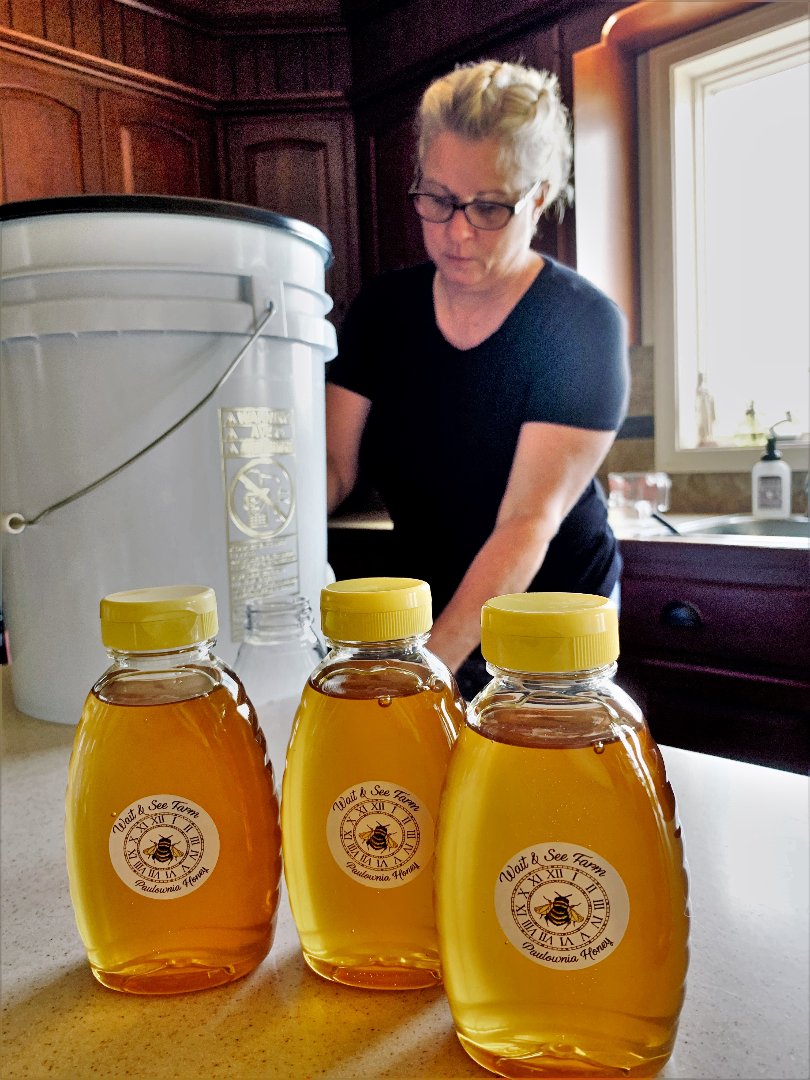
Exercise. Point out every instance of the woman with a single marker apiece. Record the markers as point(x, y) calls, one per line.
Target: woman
point(480, 391)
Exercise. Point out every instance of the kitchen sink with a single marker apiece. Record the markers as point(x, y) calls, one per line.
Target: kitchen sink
point(746, 525)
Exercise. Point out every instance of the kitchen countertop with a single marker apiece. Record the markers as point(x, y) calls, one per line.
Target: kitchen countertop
point(651, 529)
point(623, 528)
point(747, 1003)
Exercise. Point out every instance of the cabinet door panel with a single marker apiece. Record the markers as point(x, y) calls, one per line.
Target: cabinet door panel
point(715, 646)
point(742, 716)
point(154, 147)
point(391, 231)
point(51, 134)
point(48, 133)
point(293, 174)
point(397, 231)
point(301, 166)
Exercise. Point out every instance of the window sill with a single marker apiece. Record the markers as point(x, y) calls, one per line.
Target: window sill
point(736, 459)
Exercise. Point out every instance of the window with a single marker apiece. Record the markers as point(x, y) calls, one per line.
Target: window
point(725, 191)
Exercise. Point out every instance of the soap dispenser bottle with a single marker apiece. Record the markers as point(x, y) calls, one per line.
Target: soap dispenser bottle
point(770, 483)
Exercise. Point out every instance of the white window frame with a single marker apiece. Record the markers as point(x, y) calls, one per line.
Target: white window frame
point(661, 264)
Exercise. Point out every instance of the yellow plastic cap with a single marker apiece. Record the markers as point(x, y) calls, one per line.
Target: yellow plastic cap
point(376, 609)
point(549, 632)
point(151, 620)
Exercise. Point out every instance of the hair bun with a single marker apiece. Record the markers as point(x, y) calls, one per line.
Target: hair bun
point(519, 106)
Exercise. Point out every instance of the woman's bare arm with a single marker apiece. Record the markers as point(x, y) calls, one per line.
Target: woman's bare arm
point(551, 468)
point(346, 414)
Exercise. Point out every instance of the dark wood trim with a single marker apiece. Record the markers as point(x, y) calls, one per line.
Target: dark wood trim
point(332, 101)
point(251, 29)
point(160, 12)
point(119, 74)
point(758, 683)
point(224, 20)
point(69, 60)
point(217, 63)
point(695, 560)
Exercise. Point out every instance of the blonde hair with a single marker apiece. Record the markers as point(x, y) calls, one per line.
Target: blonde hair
point(520, 107)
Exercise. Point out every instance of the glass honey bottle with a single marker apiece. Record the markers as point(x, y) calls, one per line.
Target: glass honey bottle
point(561, 888)
point(365, 767)
point(172, 821)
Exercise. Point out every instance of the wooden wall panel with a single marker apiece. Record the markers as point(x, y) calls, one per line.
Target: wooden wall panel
point(112, 31)
point(292, 74)
point(134, 31)
point(27, 17)
point(58, 24)
point(159, 44)
point(298, 66)
point(331, 57)
point(87, 27)
point(68, 134)
point(268, 64)
point(241, 64)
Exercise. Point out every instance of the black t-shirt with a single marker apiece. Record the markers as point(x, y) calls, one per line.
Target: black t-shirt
point(444, 422)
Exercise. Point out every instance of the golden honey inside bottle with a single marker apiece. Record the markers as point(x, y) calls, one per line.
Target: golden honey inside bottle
point(365, 768)
point(561, 888)
point(172, 822)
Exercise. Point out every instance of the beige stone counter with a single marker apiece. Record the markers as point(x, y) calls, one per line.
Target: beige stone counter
point(747, 1000)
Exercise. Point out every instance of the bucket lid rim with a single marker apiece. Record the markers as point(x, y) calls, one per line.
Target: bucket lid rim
point(167, 204)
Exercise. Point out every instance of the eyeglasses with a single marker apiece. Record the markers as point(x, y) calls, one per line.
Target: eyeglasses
point(481, 213)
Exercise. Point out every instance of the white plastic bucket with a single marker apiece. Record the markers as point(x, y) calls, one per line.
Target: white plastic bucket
point(119, 315)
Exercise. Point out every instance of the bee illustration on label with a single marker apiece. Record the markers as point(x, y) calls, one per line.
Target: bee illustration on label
point(378, 839)
point(163, 851)
point(560, 911)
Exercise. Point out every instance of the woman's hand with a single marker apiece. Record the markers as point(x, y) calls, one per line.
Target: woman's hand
point(551, 468)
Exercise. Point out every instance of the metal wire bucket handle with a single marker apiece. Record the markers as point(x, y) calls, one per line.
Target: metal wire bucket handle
point(16, 522)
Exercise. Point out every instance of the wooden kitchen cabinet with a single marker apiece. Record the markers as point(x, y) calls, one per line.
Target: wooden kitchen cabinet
point(152, 146)
point(715, 647)
point(50, 141)
point(64, 133)
point(302, 166)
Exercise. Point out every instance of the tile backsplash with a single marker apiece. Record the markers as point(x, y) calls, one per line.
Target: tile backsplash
point(698, 493)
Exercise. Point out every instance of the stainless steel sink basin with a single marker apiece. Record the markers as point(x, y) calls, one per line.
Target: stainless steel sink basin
point(746, 525)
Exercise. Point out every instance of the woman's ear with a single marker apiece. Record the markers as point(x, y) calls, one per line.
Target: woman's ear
point(540, 201)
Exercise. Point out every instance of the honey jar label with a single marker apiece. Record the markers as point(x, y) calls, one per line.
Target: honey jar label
point(380, 834)
point(562, 906)
point(164, 846)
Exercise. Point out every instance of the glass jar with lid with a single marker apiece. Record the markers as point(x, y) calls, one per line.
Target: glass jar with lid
point(560, 878)
point(172, 821)
point(365, 768)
